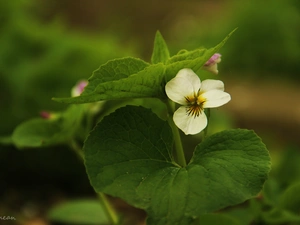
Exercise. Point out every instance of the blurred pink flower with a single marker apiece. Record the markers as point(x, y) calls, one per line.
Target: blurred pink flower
point(78, 88)
point(48, 115)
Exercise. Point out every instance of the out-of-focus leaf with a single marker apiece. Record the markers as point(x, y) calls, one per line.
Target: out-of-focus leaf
point(6, 140)
point(40, 132)
point(84, 211)
point(271, 192)
point(290, 199)
point(277, 216)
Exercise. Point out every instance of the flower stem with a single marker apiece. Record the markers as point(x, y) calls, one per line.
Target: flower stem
point(76, 148)
point(206, 128)
point(110, 212)
point(178, 144)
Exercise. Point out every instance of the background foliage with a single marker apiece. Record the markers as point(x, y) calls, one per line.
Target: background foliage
point(46, 47)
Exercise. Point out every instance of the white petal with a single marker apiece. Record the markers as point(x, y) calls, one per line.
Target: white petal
point(215, 98)
point(184, 84)
point(190, 77)
point(189, 124)
point(209, 84)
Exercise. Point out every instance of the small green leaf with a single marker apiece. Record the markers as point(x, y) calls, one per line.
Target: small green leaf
point(144, 83)
point(113, 70)
point(37, 132)
point(160, 51)
point(284, 174)
point(128, 155)
point(82, 211)
point(40, 132)
point(191, 59)
point(277, 216)
point(290, 199)
point(272, 192)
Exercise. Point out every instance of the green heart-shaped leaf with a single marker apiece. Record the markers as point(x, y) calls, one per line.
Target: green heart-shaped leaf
point(128, 155)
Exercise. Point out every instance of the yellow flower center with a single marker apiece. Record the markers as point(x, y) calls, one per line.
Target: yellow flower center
point(195, 104)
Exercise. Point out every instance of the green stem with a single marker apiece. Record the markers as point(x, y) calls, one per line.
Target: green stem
point(77, 149)
point(89, 123)
point(206, 128)
point(110, 212)
point(177, 139)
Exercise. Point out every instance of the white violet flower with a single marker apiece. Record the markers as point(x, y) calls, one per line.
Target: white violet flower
point(187, 90)
point(212, 64)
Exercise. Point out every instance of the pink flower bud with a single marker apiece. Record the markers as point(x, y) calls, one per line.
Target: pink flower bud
point(45, 114)
point(78, 88)
point(48, 115)
point(212, 64)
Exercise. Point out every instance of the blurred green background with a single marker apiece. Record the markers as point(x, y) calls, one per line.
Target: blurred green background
point(47, 46)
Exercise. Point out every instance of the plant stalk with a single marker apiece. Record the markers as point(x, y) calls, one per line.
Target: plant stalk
point(206, 128)
point(109, 210)
point(177, 139)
